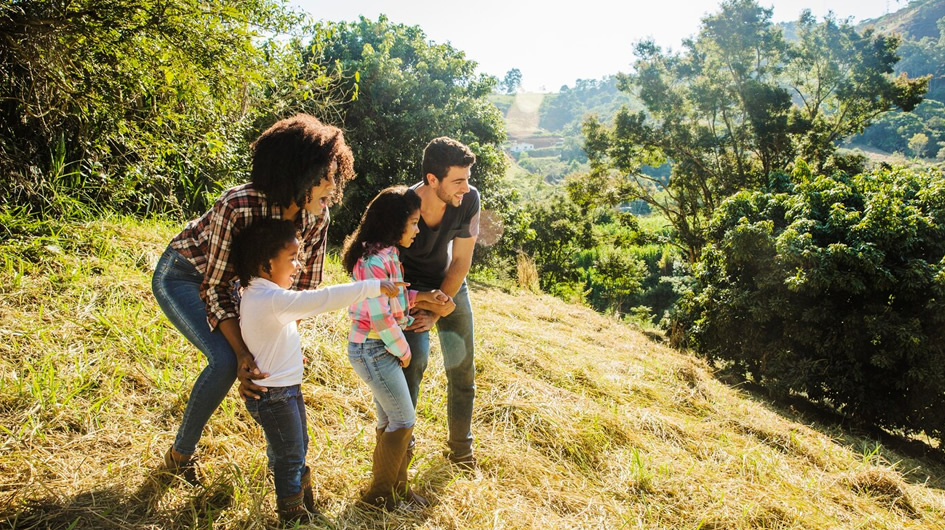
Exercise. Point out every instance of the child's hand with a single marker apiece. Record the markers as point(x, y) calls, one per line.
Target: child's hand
point(392, 288)
point(405, 360)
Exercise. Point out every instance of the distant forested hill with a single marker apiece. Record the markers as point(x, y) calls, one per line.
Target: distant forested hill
point(914, 22)
point(564, 111)
point(922, 51)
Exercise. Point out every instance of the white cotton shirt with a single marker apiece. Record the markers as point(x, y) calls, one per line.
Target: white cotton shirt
point(267, 322)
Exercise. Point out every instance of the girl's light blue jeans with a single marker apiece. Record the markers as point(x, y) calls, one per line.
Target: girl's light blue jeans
point(382, 372)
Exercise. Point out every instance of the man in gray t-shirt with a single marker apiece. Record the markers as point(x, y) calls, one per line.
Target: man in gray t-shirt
point(439, 258)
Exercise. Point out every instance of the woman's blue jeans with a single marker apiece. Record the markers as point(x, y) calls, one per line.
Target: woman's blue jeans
point(176, 286)
point(382, 372)
point(457, 337)
point(281, 412)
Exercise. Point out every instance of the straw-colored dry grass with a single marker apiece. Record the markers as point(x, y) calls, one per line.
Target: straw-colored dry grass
point(580, 422)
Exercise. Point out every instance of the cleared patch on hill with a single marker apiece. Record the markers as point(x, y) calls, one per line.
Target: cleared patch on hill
point(522, 117)
point(580, 421)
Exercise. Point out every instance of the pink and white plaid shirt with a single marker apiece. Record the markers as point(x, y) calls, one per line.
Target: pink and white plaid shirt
point(382, 317)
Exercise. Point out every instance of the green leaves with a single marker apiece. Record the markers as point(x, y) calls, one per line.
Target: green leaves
point(402, 91)
point(833, 290)
point(155, 97)
point(739, 104)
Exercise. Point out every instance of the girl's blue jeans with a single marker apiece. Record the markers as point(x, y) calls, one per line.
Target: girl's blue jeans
point(281, 412)
point(176, 286)
point(382, 372)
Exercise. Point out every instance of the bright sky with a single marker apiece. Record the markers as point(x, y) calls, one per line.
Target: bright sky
point(555, 43)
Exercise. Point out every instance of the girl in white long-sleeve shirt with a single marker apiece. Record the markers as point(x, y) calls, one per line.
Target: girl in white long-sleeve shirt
point(266, 263)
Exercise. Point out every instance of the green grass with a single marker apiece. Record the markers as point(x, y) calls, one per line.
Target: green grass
point(580, 421)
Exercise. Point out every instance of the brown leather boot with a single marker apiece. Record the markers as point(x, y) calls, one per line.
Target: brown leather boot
point(308, 498)
point(181, 465)
point(403, 486)
point(292, 510)
point(388, 456)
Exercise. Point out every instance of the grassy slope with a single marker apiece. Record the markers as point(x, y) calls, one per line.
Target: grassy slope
point(581, 422)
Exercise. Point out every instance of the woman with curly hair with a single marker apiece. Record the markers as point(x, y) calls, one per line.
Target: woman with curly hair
point(299, 165)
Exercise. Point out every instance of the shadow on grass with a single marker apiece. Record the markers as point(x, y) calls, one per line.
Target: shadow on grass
point(852, 434)
point(115, 507)
point(430, 481)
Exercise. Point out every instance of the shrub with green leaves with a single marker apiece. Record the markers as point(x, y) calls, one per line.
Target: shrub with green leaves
point(139, 104)
point(836, 290)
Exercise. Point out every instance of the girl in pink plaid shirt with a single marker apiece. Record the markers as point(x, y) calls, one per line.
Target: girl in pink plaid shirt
point(377, 349)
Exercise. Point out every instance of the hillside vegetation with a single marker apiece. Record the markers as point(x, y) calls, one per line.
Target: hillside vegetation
point(581, 421)
point(914, 21)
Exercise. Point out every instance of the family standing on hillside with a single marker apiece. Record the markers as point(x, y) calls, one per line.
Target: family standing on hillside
point(408, 259)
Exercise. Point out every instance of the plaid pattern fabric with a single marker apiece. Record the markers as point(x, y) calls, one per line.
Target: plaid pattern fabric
point(382, 315)
point(207, 242)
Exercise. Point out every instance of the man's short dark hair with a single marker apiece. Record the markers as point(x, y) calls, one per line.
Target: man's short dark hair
point(443, 153)
point(297, 154)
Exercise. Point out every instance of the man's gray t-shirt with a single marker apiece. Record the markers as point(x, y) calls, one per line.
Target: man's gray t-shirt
point(428, 258)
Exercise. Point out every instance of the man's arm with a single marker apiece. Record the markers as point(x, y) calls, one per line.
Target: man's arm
point(459, 267)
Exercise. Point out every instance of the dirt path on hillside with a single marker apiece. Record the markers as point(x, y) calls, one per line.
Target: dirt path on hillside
point(522, 118)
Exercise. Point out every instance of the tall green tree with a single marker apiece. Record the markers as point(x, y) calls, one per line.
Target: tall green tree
point(512, 81)
point(736, 106)
point(137, 103)
point(404, 91)
point(832, 289)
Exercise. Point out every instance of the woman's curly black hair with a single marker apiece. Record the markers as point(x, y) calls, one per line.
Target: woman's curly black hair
point(382, 225)
point(258, 243)
point(297, 154)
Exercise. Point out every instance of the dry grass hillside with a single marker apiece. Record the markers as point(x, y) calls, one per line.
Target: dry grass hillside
point(581, 421)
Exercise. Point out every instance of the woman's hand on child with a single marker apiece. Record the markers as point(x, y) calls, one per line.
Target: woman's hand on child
point(392, 288)
point(246, 371)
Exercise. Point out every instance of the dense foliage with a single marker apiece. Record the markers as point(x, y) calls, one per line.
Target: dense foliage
point(834, 289)
point(739, 104)
point(144, 105)
point(597, 255)
point(408, 91)
point(894, 131)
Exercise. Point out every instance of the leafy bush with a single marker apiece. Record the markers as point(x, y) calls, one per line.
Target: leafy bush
point(835, 289)
point(137, 104)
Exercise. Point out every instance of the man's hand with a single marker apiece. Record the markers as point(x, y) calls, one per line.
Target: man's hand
point(423, 320)
point(445, 309)
point(246, 371)
point(436, 302)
